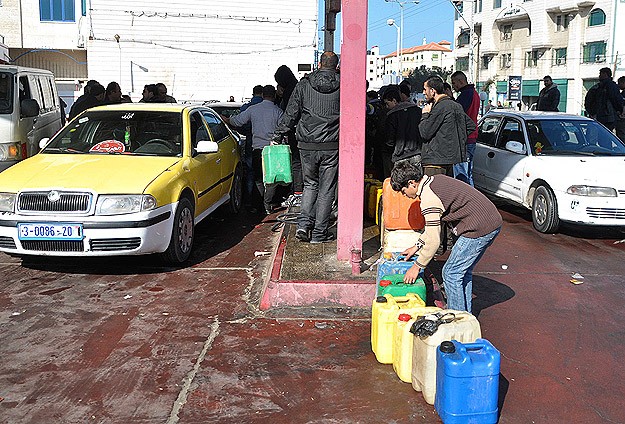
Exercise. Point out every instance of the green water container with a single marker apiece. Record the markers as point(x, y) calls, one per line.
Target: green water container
point(277, 164)
point(393, 284)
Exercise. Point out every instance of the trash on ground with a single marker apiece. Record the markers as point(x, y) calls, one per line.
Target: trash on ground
point(127, 297)
point(619, 241)
point(261, 253)
point(576, 282)
point(577, 276)
point(321, 325)
point(504, 266)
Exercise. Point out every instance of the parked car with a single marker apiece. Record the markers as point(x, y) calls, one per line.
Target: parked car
point(30, 109)
point(563, 167)
point(229, 109)
point(122, 179)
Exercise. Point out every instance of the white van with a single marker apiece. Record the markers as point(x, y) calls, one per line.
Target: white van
point(29, 111)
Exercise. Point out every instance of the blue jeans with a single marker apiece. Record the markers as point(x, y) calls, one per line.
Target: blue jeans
point(320, 169)
point(458, 270)
point(464, 170)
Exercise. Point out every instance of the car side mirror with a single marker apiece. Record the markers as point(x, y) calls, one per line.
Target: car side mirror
point(207, 146)
point(43, 142)
point(516, 147)
point(29, 108)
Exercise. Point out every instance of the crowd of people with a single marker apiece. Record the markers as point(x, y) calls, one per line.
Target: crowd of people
point(96, 95)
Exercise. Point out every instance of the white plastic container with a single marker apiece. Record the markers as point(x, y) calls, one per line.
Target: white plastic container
point(465, 329)
point(399, 240)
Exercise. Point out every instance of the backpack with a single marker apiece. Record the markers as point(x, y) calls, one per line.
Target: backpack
point(592, 100)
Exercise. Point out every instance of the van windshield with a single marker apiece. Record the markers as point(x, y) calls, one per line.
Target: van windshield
point(6, 93)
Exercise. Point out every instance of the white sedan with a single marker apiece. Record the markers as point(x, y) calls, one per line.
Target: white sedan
point(562, 167)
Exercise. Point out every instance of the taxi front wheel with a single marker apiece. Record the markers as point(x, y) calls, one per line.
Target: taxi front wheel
point(181, 241)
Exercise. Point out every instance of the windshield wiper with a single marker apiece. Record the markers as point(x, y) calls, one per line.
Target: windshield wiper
point(62, 150)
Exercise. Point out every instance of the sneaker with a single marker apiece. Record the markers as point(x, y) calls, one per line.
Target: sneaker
point(293, 200)
point(302, 235)
point(327, 239)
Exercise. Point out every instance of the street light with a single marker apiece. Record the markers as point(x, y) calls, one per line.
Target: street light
point(132, 76)
point(401, 4)
point(391, 22)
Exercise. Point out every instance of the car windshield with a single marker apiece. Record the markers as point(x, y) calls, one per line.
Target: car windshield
point(120, 131)
point(6, 93)
point(572, 137)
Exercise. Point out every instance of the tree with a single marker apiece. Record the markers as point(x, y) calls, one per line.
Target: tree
point(419, 75)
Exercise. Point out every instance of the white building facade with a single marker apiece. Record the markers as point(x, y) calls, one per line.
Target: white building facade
point(375, 68)
point(207, 50)
point(570, 40)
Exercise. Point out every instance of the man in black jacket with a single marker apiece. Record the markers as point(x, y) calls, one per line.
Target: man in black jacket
point(314, 110)
point(402, 128)
point(444, 129)
point(549, 96)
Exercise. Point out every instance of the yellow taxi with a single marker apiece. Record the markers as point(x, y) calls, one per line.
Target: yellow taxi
point(124, 179)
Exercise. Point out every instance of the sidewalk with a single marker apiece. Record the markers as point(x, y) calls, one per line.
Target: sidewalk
point(313, 364)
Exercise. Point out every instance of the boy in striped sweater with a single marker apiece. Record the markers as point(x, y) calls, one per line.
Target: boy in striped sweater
point(473, 218)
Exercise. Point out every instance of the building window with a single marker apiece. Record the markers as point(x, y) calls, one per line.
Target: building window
point(83, 6)
point(562, 23)
point(496, 4)
point(56, 10)
point(596, 17)
point(477, 6)
point(434, 56)
point(506, 60)
point(506, 32)
point(458, 8)
point(463, 38)
point(594, 52)
point(531, 59)
point(486, 61)
point(559, 57)
point(462, 63)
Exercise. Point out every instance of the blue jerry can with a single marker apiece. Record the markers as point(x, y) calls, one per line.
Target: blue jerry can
point(467, 382)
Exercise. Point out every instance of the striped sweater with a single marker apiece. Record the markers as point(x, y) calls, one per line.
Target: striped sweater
point(452, 201)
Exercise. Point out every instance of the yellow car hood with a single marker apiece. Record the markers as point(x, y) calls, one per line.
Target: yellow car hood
point(124, 174)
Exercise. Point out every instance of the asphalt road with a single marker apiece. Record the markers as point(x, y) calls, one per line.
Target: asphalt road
point(124, 340)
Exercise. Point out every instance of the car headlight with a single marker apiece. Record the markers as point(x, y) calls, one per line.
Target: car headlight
point(118, 204)
point(590, 191)
point(11, 151)
point(7, 202)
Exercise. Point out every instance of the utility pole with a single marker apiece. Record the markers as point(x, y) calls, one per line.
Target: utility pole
point(332, 7)
point(460, 13)
point(400, 47)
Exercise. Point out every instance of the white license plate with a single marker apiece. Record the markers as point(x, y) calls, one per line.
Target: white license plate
point(50, 231)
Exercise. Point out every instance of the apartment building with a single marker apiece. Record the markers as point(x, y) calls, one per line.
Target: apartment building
point(427, 54)
point(208, 50)
point(375, 68)
point(570, 40)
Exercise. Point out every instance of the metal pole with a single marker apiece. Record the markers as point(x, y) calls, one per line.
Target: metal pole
point(401, 37)
point(398, 56)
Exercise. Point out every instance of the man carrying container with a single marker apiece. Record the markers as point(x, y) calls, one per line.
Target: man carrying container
point(448, 201)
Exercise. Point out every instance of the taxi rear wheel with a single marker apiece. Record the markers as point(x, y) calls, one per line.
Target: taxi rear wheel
point(181, 242)
point(236, 191)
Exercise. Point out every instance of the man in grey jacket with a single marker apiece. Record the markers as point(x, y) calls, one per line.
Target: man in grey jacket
point(444, 129)
point(314, 108)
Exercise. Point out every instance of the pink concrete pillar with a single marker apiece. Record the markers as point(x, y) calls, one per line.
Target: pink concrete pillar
point(352, 128)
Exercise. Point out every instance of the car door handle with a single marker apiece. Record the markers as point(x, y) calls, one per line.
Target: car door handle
point(491, 154)
point(218, 160)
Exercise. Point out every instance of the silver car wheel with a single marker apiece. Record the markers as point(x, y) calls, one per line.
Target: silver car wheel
point(185, 224)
